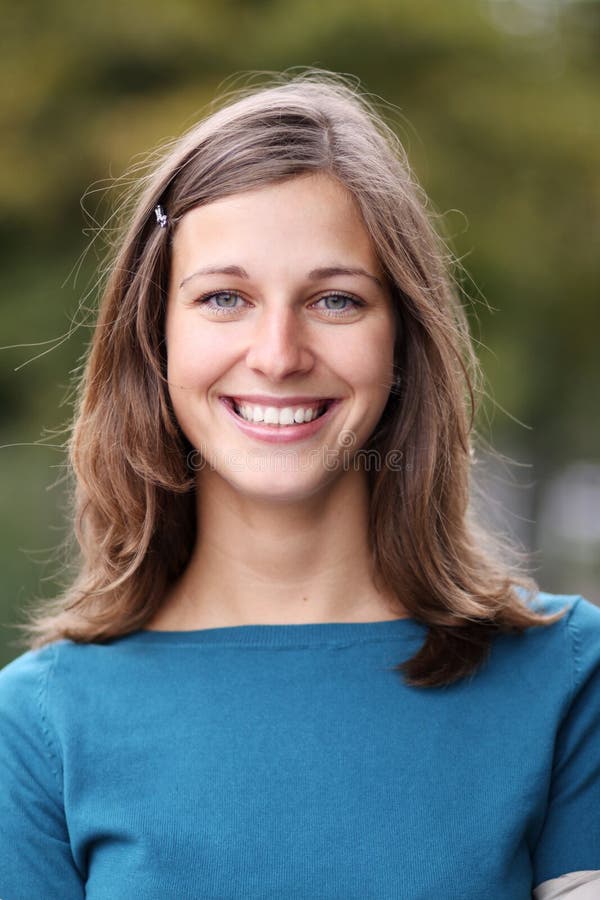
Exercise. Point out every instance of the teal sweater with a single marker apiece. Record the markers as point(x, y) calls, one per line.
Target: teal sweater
point(291, 761)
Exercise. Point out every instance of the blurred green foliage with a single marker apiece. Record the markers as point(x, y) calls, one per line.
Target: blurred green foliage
point(497, 105)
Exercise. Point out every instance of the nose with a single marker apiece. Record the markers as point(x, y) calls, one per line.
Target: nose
point(278, 345)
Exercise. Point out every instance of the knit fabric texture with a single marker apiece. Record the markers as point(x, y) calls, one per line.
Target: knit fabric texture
point(291, 761)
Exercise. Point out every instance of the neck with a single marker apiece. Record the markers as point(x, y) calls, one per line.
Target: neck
point(265, 562)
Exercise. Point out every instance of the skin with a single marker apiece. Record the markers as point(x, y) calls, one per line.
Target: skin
point(278, 544)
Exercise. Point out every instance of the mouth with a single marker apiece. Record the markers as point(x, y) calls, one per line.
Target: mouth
point(278, 417)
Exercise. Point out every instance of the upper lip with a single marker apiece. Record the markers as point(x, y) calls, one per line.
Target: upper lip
point(278, 402)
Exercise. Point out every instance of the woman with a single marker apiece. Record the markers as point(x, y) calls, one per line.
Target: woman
point(291, 665)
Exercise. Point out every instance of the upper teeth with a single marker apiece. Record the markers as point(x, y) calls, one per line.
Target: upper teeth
point(272, 415)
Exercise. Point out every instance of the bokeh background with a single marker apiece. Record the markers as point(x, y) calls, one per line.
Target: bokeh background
point(496, 102)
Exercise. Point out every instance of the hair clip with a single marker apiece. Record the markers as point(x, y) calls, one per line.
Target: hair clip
point(161, 216)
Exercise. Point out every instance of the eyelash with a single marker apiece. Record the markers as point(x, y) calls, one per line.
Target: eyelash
point(223, 310)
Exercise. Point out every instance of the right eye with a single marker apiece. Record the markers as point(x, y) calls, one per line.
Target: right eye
point(220, 301)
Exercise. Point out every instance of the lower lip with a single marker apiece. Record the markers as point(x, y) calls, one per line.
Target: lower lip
point(281, 434)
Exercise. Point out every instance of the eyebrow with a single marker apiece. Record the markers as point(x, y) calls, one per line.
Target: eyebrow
point(313, 275)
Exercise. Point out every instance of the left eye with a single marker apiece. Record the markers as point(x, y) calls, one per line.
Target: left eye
point(339, 303)
point(229, 298)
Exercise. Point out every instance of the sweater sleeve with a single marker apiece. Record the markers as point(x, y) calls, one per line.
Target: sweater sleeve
point(569, 842)
point(35, 853)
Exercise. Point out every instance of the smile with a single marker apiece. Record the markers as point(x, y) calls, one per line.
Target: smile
point(280, 424)
point(281, 416)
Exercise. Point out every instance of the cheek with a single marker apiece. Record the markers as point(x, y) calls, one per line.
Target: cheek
point(367, 360)
point(195, 357)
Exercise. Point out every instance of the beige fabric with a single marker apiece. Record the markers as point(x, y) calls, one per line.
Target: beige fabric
point(573, 886)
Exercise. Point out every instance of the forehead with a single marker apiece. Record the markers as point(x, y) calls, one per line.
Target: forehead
point(305, 216)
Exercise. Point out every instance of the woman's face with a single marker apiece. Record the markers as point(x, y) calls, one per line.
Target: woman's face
point(279, 362)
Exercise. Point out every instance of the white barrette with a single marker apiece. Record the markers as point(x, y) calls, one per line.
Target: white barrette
point(161, 216)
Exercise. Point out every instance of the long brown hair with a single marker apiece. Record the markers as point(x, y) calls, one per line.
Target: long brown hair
point(134, 491)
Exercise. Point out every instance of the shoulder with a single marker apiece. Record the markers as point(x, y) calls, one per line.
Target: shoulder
point(574, 605)
point(29, 681)
point(26, 677)
point(551, 660)
point(578, 630)
point(66, 686)
point(555, 663)
point(26, 686)
point(567, 842)
point(45, 694)
point(580, 618)
point(27, 740)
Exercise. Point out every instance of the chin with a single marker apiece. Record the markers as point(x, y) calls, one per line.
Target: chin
point(280, 487)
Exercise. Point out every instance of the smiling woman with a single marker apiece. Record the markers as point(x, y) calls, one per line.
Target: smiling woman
point(291, 663)
point(301, 355)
